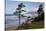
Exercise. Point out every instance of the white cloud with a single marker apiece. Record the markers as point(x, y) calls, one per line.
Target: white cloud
point(35, 9)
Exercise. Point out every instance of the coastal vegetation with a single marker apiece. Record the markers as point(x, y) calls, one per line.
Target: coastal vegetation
point(38, 22)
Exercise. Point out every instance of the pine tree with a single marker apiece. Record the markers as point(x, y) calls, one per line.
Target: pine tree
point(40, 9)
point(19, 10)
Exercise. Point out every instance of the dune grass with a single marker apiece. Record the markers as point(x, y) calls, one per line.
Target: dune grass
point(34, 25)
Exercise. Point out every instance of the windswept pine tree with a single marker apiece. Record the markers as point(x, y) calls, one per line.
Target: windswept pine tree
point(40, 10)
point(40, 13)
point(19, 10)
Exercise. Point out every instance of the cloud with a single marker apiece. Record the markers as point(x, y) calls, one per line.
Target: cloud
point(34, 9)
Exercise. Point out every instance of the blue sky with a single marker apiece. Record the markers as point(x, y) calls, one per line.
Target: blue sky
point(30, 6)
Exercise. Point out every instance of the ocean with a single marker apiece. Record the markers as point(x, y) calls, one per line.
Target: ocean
point(13, 20)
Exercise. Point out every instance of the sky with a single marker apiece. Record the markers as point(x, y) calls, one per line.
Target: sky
point(12, 5)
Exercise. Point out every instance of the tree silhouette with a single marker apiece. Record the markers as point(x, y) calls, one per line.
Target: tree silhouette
point(40, 14)
point(19, 10)
point(40, 9)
